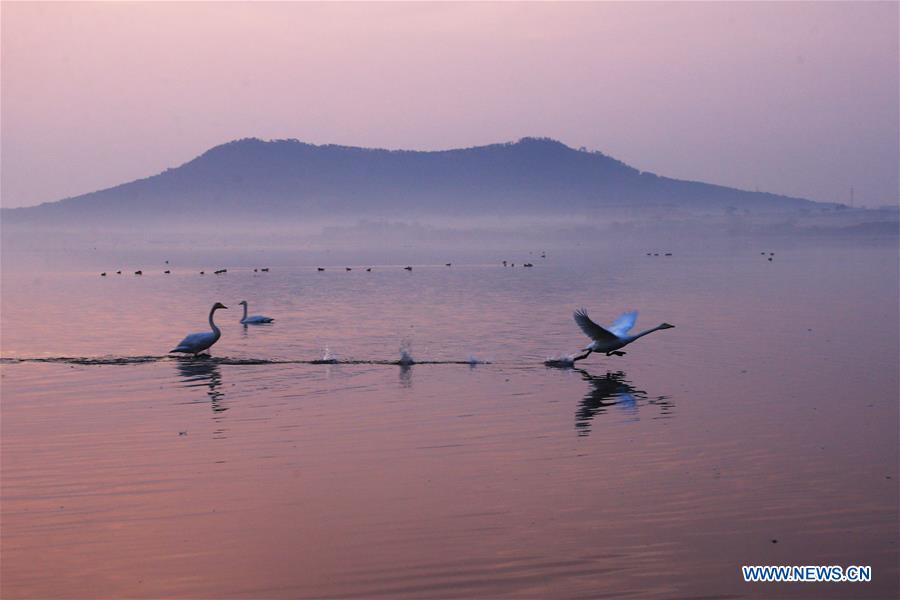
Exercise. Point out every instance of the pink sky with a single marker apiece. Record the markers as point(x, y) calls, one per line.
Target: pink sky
point(793, 98)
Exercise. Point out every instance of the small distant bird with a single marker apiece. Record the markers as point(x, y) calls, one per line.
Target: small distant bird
point(668, 254)
point(609, 340)
point(103, 274)
point(167, 271)
point(348, 268)
point(770, 259)
point(504, 263)
point(265, 269)
point(369, 269)
point(649, 254)
point(253, 319)
point(656, 254)
point(255, 270)
point(138, 272)
point(196, 343)
point(763, 253)
point(448, 264)
point(320, 269)
point(528, 265)
point(543, 255)
point(771, 254)
point(167, 262)
point(202, 273)
point(407, 268)
point(118, 272)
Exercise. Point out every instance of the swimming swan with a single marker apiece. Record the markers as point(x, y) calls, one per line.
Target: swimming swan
point(253, 319)
point(196, 343)
point(611, 339)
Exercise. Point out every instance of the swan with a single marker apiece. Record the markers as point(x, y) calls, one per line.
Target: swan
point(616, 336)
point(196, 343)
point(253, 319)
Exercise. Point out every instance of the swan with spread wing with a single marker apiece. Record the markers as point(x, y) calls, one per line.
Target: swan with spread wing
point(610, 339)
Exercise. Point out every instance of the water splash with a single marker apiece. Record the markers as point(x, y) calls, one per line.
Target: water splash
point(564, 360)
point(406, 358)
point(329, 357)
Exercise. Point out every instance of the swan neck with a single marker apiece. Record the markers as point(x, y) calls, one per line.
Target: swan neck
point(245, 311)
point(212, 323)
point(643, 333)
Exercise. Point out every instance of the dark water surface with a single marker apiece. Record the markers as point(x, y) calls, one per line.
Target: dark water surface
point(769, 413)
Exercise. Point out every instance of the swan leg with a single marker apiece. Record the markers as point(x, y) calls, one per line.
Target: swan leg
point(582, 356)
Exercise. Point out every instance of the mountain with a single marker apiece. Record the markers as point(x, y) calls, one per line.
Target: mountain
point(259, 180)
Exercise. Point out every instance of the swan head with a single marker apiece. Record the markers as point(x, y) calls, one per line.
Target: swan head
point(218, 305)
point(244, 302)
point(666, 326)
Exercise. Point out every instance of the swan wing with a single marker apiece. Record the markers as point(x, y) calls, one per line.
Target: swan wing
point(624, 323)
point(591, 329)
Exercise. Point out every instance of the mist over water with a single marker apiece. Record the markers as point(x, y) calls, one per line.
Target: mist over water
point(396, 433)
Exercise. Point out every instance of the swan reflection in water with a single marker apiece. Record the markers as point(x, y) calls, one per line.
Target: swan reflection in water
point(405, 375)
point(613, 390)
point(203, 371)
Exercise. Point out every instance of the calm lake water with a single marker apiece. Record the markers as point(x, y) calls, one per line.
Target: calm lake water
point(762, 429)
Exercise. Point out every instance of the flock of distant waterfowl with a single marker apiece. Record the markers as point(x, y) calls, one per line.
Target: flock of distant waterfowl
point(320, 269)
point(266, 270)
point(406, 268)
point(168, 272)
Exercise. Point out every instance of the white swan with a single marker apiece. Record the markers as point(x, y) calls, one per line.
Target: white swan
point(196, 343)
point(253, 319)
point(616, 336)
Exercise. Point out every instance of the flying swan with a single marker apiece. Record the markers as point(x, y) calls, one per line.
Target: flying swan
point(196, 343)
point(616, 336)
point(253, 319)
